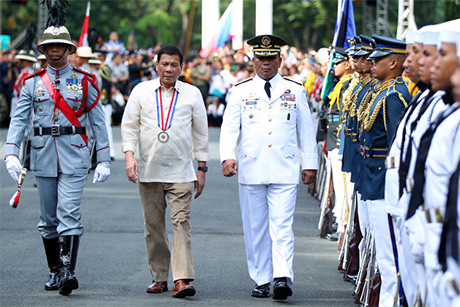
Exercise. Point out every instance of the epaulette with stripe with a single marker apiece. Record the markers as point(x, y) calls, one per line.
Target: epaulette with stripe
point(83, 71)
point(37, 73)
point(243, 81)
point(292, 80)
point(89, 74)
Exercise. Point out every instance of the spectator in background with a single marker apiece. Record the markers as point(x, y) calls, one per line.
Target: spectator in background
point(113, 46)
point(201, 76)
point(215, 102)
point(136, 68)
point(120, 74)
point(6, 85)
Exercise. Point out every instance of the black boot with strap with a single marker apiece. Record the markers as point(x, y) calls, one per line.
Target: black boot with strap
point(69, 249)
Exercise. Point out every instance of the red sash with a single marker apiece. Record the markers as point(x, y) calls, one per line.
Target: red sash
point(61, 104)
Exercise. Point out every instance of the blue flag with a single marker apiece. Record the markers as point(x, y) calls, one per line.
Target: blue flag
point(344, 27)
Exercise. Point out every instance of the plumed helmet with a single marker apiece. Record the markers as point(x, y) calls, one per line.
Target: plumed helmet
point(27, 53)
point(26, 56)
point(56, 32)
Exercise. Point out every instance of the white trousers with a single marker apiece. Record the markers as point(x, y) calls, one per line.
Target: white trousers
point(338, 179)
point(268, 213)
point(383, 230)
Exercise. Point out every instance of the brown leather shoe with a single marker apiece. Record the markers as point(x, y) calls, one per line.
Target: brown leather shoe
point(158, 287)
point(182, 289)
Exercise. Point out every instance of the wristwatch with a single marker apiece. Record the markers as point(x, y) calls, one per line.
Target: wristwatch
point(203, 168)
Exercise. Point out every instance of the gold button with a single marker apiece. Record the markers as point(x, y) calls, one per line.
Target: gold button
point(40, 108)
point(269, 145)
point(269, 107)
point(380, 168)
point(269, 132)
point(269, 119)
point(327, 127)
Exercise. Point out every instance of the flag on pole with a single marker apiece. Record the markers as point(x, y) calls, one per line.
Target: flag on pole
point(84, 30)
point(222, 34)
point(344, 27)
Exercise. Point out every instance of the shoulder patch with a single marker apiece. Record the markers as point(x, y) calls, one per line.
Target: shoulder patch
point(243, 81)
point(292, 80)
point(37, 73)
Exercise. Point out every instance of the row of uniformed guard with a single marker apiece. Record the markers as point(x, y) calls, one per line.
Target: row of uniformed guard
point(393, 166)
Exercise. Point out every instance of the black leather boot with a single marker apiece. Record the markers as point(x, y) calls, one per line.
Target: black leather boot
point(69, 249)
point(52, 252)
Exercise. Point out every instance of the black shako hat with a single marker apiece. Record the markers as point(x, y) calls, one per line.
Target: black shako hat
point(266, 45)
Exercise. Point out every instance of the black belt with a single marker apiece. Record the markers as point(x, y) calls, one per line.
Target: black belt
point(57, 130)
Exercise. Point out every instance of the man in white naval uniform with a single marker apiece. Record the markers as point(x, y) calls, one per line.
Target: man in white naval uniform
point(268, 110)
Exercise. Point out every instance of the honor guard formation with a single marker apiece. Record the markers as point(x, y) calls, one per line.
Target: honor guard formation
point(389, 167)
point(379, 151)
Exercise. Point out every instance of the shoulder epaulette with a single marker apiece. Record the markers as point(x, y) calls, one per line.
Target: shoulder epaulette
point(37, 73)
point(83, 71)
point(292, 80)
point(243, 81)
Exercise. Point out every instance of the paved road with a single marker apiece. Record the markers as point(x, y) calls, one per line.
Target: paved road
point(112, 263)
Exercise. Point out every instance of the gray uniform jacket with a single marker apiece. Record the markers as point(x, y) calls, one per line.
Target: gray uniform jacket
point(66, 153)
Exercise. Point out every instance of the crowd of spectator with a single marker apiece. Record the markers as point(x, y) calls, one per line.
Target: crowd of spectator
point(214, 75)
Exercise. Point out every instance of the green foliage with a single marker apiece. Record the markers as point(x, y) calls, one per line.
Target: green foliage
point(304, 23)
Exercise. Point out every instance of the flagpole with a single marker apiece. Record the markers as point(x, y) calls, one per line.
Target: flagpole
point(189, 28)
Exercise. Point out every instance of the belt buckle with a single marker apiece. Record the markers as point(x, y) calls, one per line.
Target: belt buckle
point(56, 130)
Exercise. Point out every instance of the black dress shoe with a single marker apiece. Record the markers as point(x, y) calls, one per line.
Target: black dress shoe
point(261, 291)
point(281, 289)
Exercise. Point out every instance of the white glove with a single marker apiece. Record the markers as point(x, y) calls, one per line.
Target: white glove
point(102, 172)
point(13, 166)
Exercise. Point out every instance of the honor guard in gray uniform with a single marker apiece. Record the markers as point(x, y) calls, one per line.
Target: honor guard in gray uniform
point(391, 96)
point(268, 110)
point(62, 98)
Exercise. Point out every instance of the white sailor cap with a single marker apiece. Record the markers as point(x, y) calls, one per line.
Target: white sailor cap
point(410, 37)
point(430, 34)
point(448, 36)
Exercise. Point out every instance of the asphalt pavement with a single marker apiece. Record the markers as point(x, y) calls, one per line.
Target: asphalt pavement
point(112, 264)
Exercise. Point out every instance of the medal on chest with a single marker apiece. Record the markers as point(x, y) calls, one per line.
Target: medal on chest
point(165, 118)
point(74, 85)
point(251, 103)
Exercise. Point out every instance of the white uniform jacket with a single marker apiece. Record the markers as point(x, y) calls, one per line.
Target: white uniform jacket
point(268, 151)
